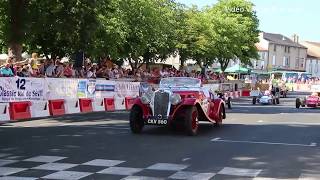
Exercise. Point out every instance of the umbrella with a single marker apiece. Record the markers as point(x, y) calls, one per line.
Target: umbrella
point(237, 69)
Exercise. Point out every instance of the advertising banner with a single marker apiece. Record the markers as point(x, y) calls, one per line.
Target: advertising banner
point(22, 89)
point(104, 88)
point(61, 88)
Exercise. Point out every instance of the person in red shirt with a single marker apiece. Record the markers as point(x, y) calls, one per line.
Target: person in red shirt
point(68, 70)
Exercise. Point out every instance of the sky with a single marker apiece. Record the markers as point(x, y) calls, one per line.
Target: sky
point(286, 17)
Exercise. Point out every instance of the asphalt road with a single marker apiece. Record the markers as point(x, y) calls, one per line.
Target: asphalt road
point(255, 142)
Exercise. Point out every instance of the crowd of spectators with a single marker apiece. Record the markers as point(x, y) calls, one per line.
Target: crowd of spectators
point(60, 68)
point(40, 68)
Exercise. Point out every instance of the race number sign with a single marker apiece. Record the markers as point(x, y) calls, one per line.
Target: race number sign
point(22, 89)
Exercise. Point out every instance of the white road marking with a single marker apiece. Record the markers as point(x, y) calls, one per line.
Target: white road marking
point(4, 155)
point(308, 176)
point(240, 172)
point(125, 171)
point(292, 122)
point(262, 142)
point(141, 178)
point(45, 159)
point(168, 167)
point(55, 166)
point(67, 175)
point(183, 175)
point(105, 127)
point(5, 162)
point(313, 144)
point(103, 162)
point(186, 159)
point(202, 176)
point(5, 171)
point(17, 178)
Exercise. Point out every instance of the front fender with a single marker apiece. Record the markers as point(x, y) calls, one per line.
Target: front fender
point(218, 104)
point(146, 110)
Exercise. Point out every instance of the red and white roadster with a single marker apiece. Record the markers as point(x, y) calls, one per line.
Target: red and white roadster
point(179, 101)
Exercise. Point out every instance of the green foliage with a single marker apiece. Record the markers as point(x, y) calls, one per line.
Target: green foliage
point(141, 31)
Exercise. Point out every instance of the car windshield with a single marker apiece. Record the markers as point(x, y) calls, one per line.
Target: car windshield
point(180, 82)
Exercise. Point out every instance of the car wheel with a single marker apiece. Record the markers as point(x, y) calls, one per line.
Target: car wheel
point(254, 100)
point(229, 103)
point(273, 101)
point(222, 116)
point(191, 121)
point(278, 100)
point(136, 120)
point(298, 103)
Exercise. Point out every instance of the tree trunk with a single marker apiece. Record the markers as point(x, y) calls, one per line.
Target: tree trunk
point(17, 13)
point(224, 64)
point(15, 50)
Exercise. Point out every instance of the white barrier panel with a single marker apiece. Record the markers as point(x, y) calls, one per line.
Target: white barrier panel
point(71, 106)
point(98, 105)
point(39, 109)
point(4, 112)
point(119, 103)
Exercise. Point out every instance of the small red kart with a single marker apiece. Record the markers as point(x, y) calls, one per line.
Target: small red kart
point(179, 101)
point(310, 101)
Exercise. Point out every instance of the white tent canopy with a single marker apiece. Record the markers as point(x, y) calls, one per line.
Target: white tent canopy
point(3, 57)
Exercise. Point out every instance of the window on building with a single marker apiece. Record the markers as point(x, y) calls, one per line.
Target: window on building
point(302, 63)
point(275, 48)
point(273, 60)
point(262, 64)
point(286, 61)
point(285, 48)
point(265, 55)
point(288, 49)
point(297, 62)
point(317, 67)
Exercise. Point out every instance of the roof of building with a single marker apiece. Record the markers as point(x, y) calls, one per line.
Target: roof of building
point(281, 39)
point(313, 48)
point(260, 48)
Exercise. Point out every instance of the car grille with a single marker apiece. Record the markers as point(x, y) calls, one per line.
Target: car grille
point(161, 103)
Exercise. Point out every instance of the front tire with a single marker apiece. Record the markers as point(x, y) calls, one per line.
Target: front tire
point(222, 115)
point(229, 103)
point(278, 100)
point(191, 121)
point(298, 103)
point(136, 120)
point(254, 100)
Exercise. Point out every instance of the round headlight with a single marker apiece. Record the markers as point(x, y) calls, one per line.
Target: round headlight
point(146, 98)
point(175, 99)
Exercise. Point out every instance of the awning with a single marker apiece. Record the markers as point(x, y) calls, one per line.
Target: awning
point(237, 69)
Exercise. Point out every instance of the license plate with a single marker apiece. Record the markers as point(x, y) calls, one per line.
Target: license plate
point(157, 121)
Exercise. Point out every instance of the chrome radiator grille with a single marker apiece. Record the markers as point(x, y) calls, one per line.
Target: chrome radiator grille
point(161, 103)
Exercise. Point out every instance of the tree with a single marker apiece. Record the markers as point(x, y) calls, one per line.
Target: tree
point(235, 31)
point(61, 27)
point(12, 25)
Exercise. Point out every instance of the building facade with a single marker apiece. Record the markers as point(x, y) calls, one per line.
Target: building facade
point(278, 52)
point(313, 58)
